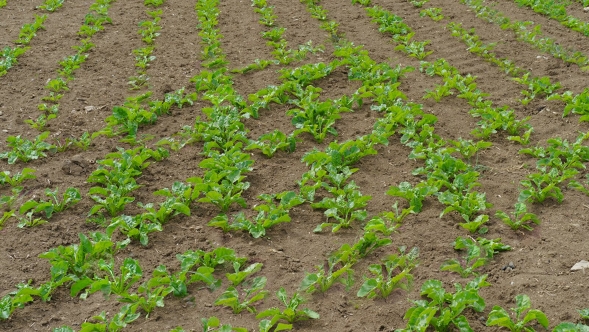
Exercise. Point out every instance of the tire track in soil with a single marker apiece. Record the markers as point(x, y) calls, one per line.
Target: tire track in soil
point(23, 86)
point(98, 80)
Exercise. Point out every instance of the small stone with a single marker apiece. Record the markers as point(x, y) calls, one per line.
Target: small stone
point(582, 265)
point(586, 9)
point(511, 265)
point(508, 269)
point(1, 113)
point(89, 108)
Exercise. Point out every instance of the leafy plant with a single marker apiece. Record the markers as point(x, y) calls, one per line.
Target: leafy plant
point(51, 5)
point(118, 322)
point(252, 294)
point(434, 13)
point(18, 178)
point(500, 317)
point(339, 269)
point(444, 309)
point(213, 324)
point(271, 142)
point(478, 253)
point(345, 207)
point(384, 283)
point(290, 314)
point(415, 195)
point(521, 217)
point(25, 150)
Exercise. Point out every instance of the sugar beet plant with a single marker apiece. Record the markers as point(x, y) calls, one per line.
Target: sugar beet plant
point(443, 310)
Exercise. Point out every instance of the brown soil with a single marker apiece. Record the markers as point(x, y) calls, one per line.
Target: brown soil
point(542, 258)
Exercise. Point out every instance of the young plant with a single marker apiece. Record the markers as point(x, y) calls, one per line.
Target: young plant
point(117, 323)
point(254, 293)
point(213, 324)
point(444, 309)
point(346, 207)
point(386, 222)
point(18, 178)
point(70, 197)
point(478, 253)
point(290, 314)
point(271, 142)
point(500, 317)
point(25, 150)
point(415, 195)
point(521, 217)
point(433, 12)
point(339, 269)
point(384, 283)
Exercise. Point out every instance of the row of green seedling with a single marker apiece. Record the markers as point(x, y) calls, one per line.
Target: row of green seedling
point(283, 55)
point(9, 55)
point(492, 118)
point(556, 11)
point(149, 31)
point(533, 36)
point(93, 22)
point(537, 86)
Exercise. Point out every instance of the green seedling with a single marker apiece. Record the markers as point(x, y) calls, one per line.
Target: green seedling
point(136, 227)
point(468, 148)
point(478, 253)
point(117, 323)
point(444, 309)
point(253, 293)
point(347, 205)
point(70, 197)
point(433, 12)
point(500, 317)
point(5, 216)
point(466, 204)
point(269, 143)
point(51, 5)
point(8, 58)
point(240, 275)
point(213, 324)
point(521, 217)
point(290, 314)
point(29, 30)
point(150, 294)
point(339, 269)
point(439, 92)
point(396, 275)
point(18, 178)
point(540, 186)
point(578, 104)
point(131, 273)
point(17, 299)
point(386, 222)
point(25, 150)
point(414, 195)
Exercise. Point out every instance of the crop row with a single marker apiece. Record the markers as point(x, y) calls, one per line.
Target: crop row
point(89, 267)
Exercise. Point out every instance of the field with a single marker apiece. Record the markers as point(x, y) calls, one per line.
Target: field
point(267, 165)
